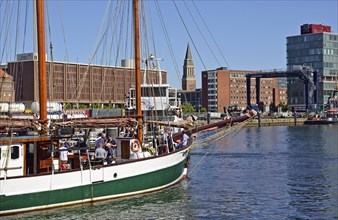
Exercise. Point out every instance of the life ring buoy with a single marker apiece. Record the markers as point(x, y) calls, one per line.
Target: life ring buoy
point(135, 146)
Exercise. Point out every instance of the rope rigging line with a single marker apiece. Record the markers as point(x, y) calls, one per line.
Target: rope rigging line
point(17, 28)
point(17, 42)
point(171, 51)
point(112, 19)
point(95, 51)
point(128, 30)
point(77, 93)
point(63, 29)
point(25, 29)
point(7, 20)
point(51, 66)
point(145, 30)
point(151, 66)
point(186, 28)
point(20, 88)
point(120, 38)
point(220, 134)
point(201, 33)
point(206, 26)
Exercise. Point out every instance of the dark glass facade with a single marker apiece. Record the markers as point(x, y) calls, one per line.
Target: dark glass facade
point(320, 52)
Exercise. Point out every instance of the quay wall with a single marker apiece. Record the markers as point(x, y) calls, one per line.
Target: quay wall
point(264, 122)
point(277, 122)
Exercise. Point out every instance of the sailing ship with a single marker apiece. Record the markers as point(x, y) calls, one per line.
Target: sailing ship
point(30, 178)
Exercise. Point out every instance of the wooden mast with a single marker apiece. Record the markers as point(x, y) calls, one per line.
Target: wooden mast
point(137, 70)
point(42, 61)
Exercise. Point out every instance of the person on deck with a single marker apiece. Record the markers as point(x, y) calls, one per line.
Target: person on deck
point(111, 149)
point(68, 144)
point(185, 139)
point(129, 133)
point(178, 144)
point(165, 137)
point(100, 153)
point(110, 153)
point(63, 157)
point(99, 140)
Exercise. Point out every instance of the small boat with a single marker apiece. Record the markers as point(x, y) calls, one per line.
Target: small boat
point(330, 116)
point(31, 175)
point(320, 121)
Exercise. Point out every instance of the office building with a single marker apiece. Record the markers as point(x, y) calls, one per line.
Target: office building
point(316, 47)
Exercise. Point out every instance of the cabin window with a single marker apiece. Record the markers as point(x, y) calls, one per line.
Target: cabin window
point(15, 152)
point(153, 92)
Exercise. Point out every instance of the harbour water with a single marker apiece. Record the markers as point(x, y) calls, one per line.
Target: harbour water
point(278, 172)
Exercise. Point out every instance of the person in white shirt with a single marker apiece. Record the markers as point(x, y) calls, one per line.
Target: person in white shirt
point(185, 139)
point(63, 157)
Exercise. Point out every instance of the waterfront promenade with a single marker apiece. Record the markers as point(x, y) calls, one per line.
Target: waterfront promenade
point(264, 121)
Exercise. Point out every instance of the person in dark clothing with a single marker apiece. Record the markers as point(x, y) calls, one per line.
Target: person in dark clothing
point(110, 154)
point(111, 149)
point(99, 140)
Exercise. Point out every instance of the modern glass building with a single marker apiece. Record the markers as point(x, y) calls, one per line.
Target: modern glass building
point(316, 47)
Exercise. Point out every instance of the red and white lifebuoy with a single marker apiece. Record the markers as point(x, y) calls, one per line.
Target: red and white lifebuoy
point(135, 146)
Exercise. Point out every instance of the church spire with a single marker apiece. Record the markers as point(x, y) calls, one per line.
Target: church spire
point(188, 53)
point(188, 78)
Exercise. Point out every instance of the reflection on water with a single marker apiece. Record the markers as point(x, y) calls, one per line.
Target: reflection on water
point(258, 173)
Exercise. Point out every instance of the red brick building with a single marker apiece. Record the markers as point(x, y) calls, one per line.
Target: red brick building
point(223, 87)
point(75, 83)
point(7, 92)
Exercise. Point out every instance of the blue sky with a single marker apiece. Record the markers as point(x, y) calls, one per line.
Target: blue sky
point(250, 34)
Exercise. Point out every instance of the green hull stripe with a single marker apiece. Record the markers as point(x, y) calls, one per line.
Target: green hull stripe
point(89, 192)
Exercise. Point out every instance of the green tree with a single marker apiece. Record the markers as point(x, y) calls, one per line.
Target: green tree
point(187, 108)
point(83, 106)
point(67, 106)
point(96, 105)
point(203, 110)
point(284, 107)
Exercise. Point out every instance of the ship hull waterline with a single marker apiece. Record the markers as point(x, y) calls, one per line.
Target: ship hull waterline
point(105, 183)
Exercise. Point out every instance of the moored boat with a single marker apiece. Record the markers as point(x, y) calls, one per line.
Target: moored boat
point(330, 115)
point(31, 177)
point(21, 192)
